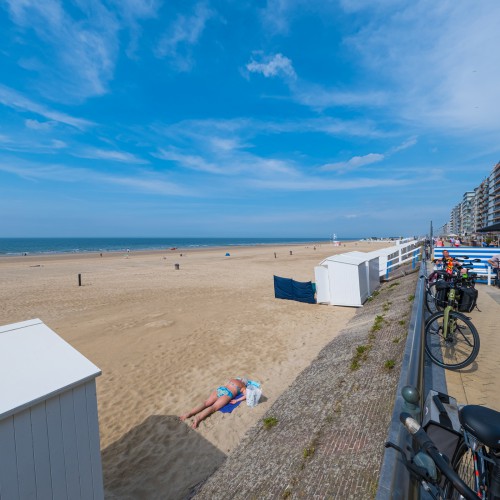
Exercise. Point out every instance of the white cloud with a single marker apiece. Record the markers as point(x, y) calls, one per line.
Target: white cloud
point(405, 145)
point(57, 144)
point(148, 182)
point(82, 50)
point(275, 65)
point(103, 154)
point(190, 161)
point(182, 35)
point(441, 61)
point(321, 184)
point(354, 162)
point(36, 125)
point(15, 100)
point(320, 97)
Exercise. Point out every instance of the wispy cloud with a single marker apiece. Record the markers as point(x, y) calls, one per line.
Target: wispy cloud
point(272, 65)
point(36, 125)
point(441, 61)
point(405, 145)
point(321, 184)
point(321, 97)
point(354, 162)
point(83, 52)
point(360, 161)
point(185, 32)
point(145, 182)
point(310, 94)
point(15, 100)
point(228, 162)
point(103, 154)
point(189, 161)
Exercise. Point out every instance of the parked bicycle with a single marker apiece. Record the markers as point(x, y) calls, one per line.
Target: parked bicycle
point(474, 469)
point(436, 284)
point(451, 339)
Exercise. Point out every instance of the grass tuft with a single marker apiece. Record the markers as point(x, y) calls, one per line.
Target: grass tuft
point(377, 324)
point(269, 422)
point(389, 364)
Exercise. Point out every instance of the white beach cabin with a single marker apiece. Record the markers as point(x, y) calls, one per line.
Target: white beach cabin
point(342, 280)
point(49, 431)
point(372, 262)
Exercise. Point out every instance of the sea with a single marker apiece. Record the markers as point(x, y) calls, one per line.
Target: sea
point(30, 246)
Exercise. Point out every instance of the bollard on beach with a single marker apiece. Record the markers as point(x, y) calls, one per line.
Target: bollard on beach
point(79, 280)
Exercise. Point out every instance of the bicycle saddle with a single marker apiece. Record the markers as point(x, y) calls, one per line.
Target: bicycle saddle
point(482, 422)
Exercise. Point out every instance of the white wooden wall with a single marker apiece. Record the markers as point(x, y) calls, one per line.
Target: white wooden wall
point(51, 450)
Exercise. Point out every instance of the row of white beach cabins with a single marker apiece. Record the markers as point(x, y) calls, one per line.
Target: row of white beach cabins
point(49, 431)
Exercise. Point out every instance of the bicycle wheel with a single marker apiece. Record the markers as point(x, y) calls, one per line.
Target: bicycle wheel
point(461, 346)
point(430, 298)
point(463, 465)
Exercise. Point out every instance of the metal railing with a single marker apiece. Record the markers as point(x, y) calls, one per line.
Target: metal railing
point(394, 480)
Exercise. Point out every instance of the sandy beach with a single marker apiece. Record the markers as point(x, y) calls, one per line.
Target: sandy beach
point(164, 338)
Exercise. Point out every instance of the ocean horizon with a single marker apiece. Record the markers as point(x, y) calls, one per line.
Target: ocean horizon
point(30, 246)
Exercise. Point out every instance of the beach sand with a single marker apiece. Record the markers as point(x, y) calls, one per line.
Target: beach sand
point(165, 338)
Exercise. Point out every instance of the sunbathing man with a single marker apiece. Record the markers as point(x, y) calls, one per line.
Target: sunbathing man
point(221, 397)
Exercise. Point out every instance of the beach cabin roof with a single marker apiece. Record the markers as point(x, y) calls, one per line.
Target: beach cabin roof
point(35, 363)
point(345, 258)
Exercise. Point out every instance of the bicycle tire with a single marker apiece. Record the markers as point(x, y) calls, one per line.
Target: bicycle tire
point(461, 347)
point(463, 465)
point(430, 298)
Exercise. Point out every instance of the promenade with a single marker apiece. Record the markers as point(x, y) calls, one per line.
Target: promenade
point(478, 383)
point(331, 423)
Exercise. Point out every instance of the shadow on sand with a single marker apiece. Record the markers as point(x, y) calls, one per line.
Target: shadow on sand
point(160, 458)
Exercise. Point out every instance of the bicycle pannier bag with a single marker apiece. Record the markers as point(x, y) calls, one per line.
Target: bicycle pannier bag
point(442, 288)
point(441, 422)
point(468, 299)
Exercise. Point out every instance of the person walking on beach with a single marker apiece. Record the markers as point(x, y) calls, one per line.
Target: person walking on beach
point(220, 397)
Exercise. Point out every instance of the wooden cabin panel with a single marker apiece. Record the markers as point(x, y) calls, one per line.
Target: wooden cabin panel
point(9, 488)
point(83, 441)
point(56, 449)
point(70, 445)
point(41, 452)
point(95, 444)
point(24, 454)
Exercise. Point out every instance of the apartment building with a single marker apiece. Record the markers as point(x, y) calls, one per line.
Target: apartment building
point(478, 209)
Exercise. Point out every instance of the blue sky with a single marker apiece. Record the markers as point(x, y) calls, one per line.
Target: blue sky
point(244, 118)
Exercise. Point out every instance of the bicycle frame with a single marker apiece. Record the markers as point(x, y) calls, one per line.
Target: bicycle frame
point(479, 459)
point(446, 311)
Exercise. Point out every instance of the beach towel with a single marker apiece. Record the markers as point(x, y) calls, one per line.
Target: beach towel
point(229, 407)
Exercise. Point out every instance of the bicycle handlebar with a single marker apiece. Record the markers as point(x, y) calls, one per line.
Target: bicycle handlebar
point(426, 443)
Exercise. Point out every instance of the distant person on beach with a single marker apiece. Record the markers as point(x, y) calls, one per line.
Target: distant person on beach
point(439, 242)
point(220, 397)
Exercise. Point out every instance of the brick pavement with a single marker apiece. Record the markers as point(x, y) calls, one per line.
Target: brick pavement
point(332, 421)
point(478, 383)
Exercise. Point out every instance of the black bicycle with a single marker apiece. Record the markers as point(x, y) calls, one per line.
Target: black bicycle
point(436, 284)
point(473, 471)
point(451, 339)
